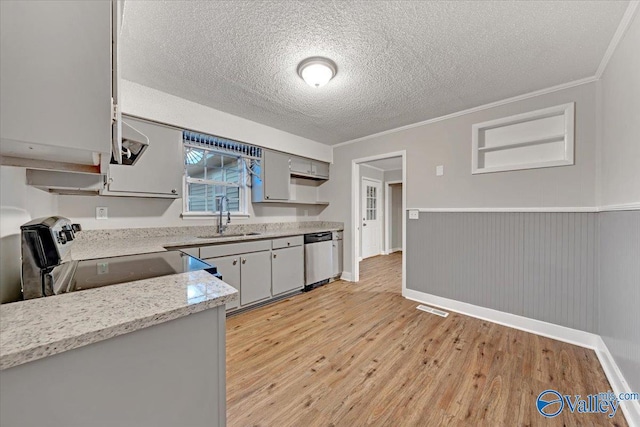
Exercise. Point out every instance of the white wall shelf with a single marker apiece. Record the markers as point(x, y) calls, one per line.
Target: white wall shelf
point(537, 139)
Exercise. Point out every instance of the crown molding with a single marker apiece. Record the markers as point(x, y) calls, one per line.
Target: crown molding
point(617, 36)
point(533, 94)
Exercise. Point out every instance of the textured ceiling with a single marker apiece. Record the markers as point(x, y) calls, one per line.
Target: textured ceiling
point(398, 62)
point(388, 164)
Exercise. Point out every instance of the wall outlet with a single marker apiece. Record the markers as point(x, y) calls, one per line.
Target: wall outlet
point(102, 212)
point(439, 170)
point(414, 214)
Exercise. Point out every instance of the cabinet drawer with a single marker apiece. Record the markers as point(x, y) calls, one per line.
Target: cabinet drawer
point(225, 249)
point(287, 242)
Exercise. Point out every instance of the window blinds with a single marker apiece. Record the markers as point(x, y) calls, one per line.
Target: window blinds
point(221, 144)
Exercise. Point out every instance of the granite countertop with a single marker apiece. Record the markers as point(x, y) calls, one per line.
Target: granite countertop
point(139, 241)
point(33, 329)
point(37, 328)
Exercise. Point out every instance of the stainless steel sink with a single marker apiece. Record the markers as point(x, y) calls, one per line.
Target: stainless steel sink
point(220, 236)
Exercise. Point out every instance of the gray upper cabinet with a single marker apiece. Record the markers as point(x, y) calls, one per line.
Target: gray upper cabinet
point(273, 182)
point(308, 168)
point(55, 62)
point(159, 170)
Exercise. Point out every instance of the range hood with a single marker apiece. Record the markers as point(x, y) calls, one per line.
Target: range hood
point(133, 145)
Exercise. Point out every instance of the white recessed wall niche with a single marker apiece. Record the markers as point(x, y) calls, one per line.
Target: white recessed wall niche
point(536, 139)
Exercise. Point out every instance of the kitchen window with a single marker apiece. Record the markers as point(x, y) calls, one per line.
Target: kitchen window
point(216, 167)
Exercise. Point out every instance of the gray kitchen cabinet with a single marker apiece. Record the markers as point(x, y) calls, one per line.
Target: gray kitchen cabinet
point(287, 269)
point(159, 170)
point(249, 273)
point(56, 67)
point(308, 168)
point(255, 277)
point(229, 268)
point(276, 178)
point(321, 169)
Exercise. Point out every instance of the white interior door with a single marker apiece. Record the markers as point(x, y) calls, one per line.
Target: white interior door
point(371, 227)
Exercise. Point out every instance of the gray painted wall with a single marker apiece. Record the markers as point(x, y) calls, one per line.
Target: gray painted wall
point(539, 265)
point(393, 175)
point(619, 148)
point(448, 143)
point(619, 318)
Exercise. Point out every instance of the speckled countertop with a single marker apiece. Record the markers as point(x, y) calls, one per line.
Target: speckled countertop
point(34, 329)
point(147, 240)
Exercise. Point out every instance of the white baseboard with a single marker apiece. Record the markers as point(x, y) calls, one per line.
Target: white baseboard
point(538, 327)
point(395, 250)
point(631, 408)
point(346, 276)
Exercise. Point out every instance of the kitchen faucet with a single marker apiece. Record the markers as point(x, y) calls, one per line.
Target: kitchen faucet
point(221, 227)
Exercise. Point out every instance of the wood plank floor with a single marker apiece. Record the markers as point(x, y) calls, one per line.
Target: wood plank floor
point(351, 354)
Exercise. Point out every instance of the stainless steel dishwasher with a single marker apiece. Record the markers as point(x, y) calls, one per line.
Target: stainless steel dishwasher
point(318, 259)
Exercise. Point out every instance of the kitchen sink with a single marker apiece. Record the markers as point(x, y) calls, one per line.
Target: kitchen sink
point(220, 236)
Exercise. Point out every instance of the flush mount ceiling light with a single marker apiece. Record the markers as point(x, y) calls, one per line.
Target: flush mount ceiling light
point(317, 71)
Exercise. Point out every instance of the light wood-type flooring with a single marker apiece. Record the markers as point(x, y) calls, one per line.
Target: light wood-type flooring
point(356, 354)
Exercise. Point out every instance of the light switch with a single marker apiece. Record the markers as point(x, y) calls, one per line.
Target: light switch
point(414, 214)
point(439, 170)
point(102, 212)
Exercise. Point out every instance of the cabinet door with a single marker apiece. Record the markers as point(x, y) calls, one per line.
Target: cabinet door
point(287, 269)
point(322, 169)
point(159, 170)
point(337, 254)
point(255, 274)
point(229, 267)
point(300, 165)
point(55, 62)
point(276, 175)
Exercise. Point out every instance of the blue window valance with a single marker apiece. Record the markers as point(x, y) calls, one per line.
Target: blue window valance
point(221, 144)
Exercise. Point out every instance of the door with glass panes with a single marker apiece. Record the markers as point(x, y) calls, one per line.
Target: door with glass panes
point(371, 226)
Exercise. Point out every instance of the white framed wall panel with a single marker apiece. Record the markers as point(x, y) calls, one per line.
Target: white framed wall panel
point(536, 139)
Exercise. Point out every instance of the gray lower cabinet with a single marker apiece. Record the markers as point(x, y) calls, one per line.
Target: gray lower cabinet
point(287, 269)
point(255, 277)
point(249, 273)
point(229, 268)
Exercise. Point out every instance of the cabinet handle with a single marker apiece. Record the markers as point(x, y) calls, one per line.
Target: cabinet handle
point(288, 243)
point(244, 260)
point(235, 261)
point(275, 256)
point(174, 191)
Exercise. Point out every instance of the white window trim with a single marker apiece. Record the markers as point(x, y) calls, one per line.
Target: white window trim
point(567, 110)
point(244, 190)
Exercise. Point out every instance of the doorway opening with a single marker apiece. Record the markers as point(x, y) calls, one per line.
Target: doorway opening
point(378, 189)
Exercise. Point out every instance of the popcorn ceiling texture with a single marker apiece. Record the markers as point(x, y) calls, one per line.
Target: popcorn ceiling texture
point(398, 62)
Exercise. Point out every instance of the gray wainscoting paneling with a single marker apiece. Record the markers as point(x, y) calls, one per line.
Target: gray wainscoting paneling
point(539, 265)
point(619, 320)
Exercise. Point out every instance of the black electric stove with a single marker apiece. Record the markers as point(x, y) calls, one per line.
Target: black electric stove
point(95, 273)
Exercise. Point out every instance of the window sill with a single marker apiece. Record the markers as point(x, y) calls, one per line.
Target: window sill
point(200, 215)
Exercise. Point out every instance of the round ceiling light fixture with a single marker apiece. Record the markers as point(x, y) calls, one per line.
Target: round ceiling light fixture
point(317, 71)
